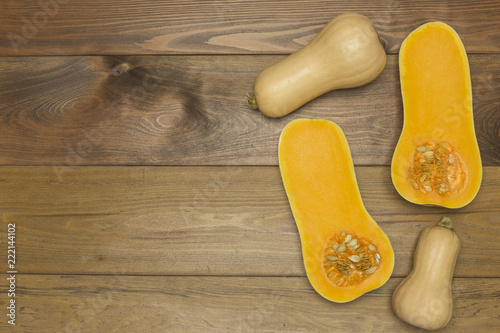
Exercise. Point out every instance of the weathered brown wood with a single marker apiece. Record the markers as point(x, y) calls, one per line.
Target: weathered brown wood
point(208, 221)
point(146, 194)
point(66, 27)
point(54, 303)
point(191, 110)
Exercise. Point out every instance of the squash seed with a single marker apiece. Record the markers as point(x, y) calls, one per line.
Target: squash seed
point(428, 188)
point(347, 239)
point(451, 159)
point(421, 149)
point(352, 242)
point(377, 261)
point(353, 248)
point(377, 256)
point(335, 246)
point(332, 258)
point(415, 185)
point(354, 258)
point(371, 270)
point(423, 178)
point(341, 248)
point(371, 247)
point(429, 154)
point(330, 274)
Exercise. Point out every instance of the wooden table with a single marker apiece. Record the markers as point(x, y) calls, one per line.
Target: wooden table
point(146, 195)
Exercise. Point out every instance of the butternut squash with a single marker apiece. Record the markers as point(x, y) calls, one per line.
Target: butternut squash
point(345, 252)
point(346, 53)
point(424, 298)
point(437, 159)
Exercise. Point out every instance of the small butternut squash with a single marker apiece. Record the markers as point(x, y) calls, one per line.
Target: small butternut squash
point(436, 160)
point(424, 298)
point(346, 53)
point(345, 252)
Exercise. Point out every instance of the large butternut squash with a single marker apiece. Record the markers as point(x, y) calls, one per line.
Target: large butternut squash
point(345, 252)
point(436, 160)
point(346, 53)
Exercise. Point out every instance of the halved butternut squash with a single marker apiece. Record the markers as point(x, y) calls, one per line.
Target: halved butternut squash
point(345, 252)
point(436, 160)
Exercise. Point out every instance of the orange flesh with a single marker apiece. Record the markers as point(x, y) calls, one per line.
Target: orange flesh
point(437, 100)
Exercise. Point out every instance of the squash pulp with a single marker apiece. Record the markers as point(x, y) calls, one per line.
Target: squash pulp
point(436, 160)
point(345, 252)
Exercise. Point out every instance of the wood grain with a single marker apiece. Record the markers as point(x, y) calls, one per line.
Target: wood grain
point(54, 303)
point(208, 221)
point(224, 27)
point(146, 194)
point(191, 110)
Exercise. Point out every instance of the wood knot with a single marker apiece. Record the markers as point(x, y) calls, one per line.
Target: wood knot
point(120, 69)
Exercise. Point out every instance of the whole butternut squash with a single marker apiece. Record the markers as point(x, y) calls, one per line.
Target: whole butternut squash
point(345, 252)
point(424, 298)
point(346, 53)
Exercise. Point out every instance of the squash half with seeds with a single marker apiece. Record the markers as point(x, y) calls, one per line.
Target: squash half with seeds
point(345, 252)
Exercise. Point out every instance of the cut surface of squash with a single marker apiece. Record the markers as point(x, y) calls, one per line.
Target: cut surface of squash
point(345, 252)
point(436, 160)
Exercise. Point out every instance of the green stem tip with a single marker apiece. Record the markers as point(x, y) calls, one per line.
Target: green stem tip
point(446, 222)
point(251, 101)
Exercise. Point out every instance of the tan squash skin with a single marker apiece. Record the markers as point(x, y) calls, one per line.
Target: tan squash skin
point(346, 53)
point(424, 298)
point(320, 183)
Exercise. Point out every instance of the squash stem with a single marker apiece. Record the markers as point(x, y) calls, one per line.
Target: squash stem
point(446, 222)
point(252, 101)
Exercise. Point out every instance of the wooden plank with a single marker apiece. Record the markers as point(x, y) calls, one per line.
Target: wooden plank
point(191, 110)
point(208, 221)
point(54, 303)
point(63, 27)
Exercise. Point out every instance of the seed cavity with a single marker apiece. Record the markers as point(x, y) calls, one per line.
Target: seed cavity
point(436, 168)
point(349, 259)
